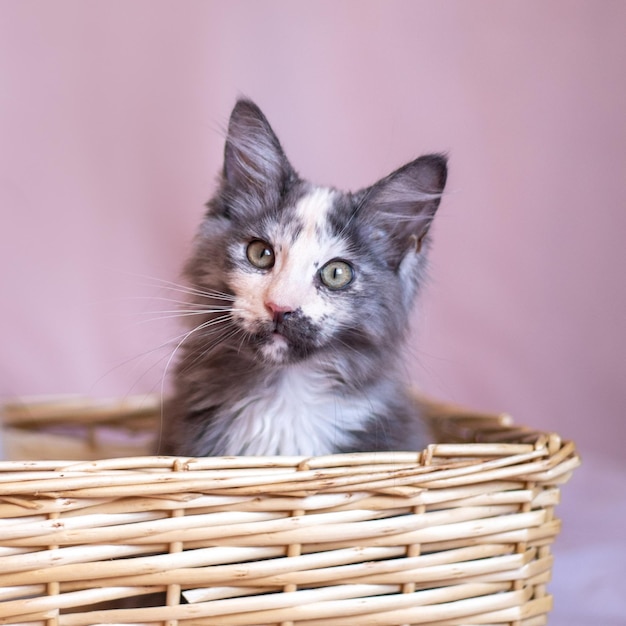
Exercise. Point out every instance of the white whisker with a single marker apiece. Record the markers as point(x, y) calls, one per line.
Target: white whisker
point(400, 217)
point(186, 336)
point(174, 301)
point(187, 363)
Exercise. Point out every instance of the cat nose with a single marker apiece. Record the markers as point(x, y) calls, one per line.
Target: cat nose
point(278, 311)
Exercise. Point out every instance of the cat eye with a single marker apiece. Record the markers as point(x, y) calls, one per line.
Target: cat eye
point(260, 254)
point(336, 274)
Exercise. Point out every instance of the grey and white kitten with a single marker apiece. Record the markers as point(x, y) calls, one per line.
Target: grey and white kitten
point(301, 297)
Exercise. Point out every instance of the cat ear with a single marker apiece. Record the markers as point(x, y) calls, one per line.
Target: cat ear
point(401, 206)
point(254, 161)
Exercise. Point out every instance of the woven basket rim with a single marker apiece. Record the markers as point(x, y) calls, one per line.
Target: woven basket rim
point(457, 533)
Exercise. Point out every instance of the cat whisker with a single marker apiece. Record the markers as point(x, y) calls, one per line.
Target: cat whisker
point(186, 336)
point(245, 335)
point(399, 217)
point(181, 302)
point(152, 281)
point(184, 288)
point(187, 362)
point(167, 315)
point(356, 211)
point(213, 294)
point(189, 312)
point(139, 359)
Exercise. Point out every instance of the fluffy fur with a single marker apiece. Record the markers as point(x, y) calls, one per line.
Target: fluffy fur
point(301, 297)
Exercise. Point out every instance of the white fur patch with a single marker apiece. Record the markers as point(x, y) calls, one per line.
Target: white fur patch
point(276, 349)
point(300, 415)
point(312, 209)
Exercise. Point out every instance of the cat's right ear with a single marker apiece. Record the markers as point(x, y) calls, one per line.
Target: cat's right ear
point(255, 166)
point(401, 207)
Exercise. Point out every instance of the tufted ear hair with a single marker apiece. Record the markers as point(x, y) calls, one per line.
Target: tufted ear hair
point(400, 207)
point(255, 166)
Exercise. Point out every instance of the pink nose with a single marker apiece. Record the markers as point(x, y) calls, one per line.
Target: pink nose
point(278, 311)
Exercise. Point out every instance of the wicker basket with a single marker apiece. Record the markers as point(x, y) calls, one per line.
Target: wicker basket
point(457, 534)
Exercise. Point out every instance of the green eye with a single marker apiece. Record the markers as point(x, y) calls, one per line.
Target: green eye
point(260, 254)
point(336, 274)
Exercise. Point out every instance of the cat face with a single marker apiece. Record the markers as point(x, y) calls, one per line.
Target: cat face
point(311, 270)
point(296, 282)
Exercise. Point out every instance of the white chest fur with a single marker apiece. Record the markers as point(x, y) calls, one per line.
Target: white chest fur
point(297, 414)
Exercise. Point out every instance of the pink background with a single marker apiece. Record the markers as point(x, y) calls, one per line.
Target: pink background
point(111, 118)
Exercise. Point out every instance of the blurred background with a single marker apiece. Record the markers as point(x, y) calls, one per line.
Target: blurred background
point(112, 116)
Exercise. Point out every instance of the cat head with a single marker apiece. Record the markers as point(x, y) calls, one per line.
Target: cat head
point(309, 269)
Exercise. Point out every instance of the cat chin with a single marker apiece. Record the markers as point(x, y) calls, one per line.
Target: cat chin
point(275, 350)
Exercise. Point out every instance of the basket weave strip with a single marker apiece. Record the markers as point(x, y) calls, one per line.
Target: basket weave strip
point(453, 535)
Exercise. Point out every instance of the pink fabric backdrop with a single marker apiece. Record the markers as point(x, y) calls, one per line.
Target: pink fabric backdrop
point(111, 117)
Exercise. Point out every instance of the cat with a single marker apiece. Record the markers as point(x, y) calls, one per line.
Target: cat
point(301, 296)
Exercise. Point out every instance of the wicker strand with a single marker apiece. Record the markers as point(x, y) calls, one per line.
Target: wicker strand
point(414, 549)
point(172, 594)
point(521, 547)
point(53, 587)
point(294, 549)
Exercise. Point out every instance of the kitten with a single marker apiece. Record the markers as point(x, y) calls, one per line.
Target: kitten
point(301, 297)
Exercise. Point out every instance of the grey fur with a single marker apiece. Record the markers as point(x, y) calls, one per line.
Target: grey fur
point(386, 230)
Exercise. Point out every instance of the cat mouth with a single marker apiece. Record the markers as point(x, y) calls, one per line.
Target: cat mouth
point(278, 327)
point(278, 324)
point(277, 330)
point(293, 338)
point(272, 335)
point(279, 339)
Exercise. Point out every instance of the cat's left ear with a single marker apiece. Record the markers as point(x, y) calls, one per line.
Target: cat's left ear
point(401, 206)
point(255, 165)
